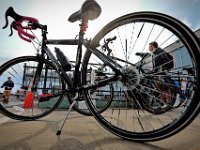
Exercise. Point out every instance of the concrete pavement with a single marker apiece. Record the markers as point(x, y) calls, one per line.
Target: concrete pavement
point(82, 132)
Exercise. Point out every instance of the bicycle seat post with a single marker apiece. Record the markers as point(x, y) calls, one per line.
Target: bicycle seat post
point(83, 26)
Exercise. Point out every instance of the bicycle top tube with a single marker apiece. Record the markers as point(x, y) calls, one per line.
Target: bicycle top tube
point(62, 41)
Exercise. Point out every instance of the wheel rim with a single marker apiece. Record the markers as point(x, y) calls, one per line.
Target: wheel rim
point(183, 115)
point(20, 106)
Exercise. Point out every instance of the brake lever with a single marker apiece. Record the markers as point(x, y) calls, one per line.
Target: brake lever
point(12, 25)
point(17, 24)
point(10, 12)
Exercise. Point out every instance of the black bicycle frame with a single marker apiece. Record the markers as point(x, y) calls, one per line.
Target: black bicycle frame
point(73, 85)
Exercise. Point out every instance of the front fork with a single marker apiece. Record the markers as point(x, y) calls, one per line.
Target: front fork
point(37, 75)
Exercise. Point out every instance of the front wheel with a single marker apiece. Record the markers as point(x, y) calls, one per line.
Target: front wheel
point(23, 103)
point(129, 35)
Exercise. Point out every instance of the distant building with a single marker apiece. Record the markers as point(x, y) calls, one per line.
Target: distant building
point(179, 53)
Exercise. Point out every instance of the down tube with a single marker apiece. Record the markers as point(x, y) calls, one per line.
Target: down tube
point(59, 67)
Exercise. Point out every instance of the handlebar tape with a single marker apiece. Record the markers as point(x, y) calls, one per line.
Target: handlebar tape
point(17, 24)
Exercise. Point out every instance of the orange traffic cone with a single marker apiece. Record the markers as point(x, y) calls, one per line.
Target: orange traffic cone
point(28, 102)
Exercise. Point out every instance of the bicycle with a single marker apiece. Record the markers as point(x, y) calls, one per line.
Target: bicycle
point(151, 93)
point(42, 95)
point(120, 117)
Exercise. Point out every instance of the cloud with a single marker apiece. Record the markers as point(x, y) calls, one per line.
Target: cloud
point(187, 22)
point(194, 1)
point(197, 26)
point(3, 60)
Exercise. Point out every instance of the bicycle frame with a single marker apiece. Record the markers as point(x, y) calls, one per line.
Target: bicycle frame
point(73, 85)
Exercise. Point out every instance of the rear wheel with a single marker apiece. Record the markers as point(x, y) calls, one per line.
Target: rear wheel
point(131, 34)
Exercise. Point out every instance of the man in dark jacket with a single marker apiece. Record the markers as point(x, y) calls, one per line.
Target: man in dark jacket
point(8, 87)
point(160, 61)
point(160, 58)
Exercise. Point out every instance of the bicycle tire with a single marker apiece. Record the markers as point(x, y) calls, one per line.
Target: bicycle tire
point(21, 69)
point(137, 124)
point(150, 107)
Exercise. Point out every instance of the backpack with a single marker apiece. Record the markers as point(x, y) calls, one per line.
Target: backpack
point(170, 65)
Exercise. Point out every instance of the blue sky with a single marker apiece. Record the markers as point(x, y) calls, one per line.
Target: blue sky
point(55, 15)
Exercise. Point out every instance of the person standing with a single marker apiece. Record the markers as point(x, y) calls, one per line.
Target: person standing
point(160, 61)
point(9, 84)
point(160, 58)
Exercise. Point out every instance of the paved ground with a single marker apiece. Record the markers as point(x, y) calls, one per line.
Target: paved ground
point(83, 133)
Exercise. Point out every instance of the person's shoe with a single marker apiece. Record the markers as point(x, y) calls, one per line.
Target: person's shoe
point(4, 101)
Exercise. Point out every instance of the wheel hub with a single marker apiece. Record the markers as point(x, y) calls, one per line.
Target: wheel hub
point(131, 77)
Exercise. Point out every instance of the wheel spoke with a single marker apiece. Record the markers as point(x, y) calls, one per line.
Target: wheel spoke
point(24, 104)
point(141, 109)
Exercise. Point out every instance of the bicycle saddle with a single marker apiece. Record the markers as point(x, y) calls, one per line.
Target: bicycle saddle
point(142, 54)
point(90, 10)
